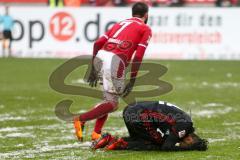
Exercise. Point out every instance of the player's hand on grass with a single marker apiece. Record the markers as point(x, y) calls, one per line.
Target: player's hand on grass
point(128, 88)
point(93, 78)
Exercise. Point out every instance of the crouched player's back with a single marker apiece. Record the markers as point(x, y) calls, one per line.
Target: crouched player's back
point(157, 121)
point(155, 126)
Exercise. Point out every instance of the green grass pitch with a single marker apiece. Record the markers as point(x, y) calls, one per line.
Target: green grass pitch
point(29, 128)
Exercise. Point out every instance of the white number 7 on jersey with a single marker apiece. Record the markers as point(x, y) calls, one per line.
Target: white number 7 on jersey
point(124, 24)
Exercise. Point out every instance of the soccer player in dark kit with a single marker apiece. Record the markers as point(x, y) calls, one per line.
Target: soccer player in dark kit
point(155, 125)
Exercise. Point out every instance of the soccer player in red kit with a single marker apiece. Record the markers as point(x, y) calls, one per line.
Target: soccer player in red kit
point(122, 44)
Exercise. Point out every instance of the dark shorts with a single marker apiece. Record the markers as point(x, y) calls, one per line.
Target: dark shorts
point(7, 35)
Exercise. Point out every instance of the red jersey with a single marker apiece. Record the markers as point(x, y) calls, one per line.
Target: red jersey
point(124, 38)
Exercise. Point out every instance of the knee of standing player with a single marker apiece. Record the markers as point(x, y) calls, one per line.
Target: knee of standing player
point(113, 103)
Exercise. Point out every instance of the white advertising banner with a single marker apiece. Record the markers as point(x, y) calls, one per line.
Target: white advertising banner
point(178, 33)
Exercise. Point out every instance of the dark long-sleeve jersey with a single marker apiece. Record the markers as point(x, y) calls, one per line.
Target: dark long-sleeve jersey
point(161, 123)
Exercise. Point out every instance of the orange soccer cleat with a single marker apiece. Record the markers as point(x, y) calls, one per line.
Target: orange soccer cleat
point(95, 136)
point(78, 125)
point(117, 145)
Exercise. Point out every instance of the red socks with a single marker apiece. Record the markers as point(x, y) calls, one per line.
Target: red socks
point(100, 110)
point(99, 124)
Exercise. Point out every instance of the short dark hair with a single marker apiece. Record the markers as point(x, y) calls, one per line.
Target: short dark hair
point(198, 144)
point(139, 9)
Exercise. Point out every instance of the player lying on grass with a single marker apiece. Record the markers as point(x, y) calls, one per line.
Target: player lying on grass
point(125, 42)
point(155, 126)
